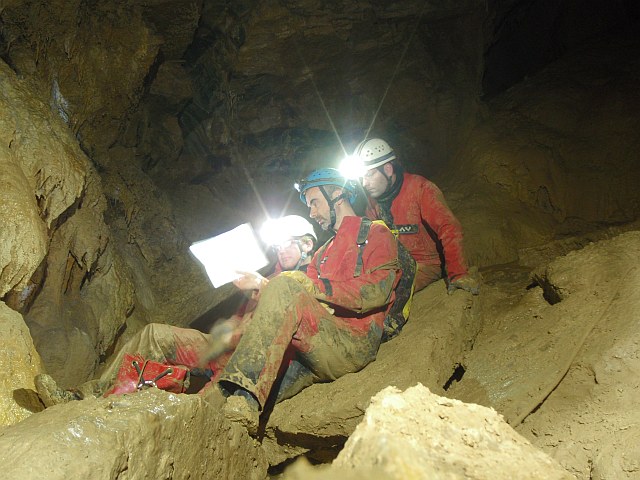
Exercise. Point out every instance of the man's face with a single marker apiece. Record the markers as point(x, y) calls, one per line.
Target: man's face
point(375, 183)
point(288, 254)
point(318, 207)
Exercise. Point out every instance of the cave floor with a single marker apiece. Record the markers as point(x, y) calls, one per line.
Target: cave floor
point(564, 371)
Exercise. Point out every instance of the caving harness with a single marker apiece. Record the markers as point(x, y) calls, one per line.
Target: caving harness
point(398, 314)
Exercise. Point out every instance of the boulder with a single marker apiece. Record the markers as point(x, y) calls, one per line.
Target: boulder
point(19, 364)
point(151, 434)
point(417, 434)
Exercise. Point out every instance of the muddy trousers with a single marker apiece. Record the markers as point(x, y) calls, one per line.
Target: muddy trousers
point(160, 343)
point(293, 338)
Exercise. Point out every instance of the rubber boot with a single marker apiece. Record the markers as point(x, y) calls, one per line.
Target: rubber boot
point(243, 408)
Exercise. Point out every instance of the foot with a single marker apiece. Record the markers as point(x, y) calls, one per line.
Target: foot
point(243, 408)
point(50, 393)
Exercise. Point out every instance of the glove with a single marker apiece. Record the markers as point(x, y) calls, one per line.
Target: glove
point(302, 279)
point(465, 282)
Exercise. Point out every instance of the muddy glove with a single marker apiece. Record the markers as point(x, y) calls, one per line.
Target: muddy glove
point(302, 279)
point(464, 282)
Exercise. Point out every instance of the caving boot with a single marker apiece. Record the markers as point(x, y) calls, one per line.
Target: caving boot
point(243, 408)
point(50, 393)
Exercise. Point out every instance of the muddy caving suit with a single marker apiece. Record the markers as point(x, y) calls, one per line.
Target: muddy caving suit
point(415, 209)
point(158, 342)
point(174, 346)
point(320, 325)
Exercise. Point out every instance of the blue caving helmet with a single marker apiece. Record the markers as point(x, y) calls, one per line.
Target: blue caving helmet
point(327, 176)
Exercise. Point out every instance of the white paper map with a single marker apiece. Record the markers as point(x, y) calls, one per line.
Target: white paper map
point(224, 255)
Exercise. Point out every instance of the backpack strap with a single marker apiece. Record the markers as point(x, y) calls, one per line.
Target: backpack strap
point(320, 253)
point(361, 241)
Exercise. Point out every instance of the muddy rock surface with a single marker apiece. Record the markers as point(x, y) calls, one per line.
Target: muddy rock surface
point(20, 363)
point(417, 434)
point(151, 434)
point(560, 357)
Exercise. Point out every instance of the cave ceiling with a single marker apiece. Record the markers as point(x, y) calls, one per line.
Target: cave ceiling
point(196, 87)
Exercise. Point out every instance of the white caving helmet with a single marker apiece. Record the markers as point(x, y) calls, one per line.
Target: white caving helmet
point(374, 152)
point(276, 231)
point(369, 154)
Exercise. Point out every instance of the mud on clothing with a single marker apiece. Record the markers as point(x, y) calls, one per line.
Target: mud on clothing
point(322, 325)
point(424, 224)
point(161, 343)
point(175, 346)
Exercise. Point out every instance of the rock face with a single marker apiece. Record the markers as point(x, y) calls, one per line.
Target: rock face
point(544, 144)
point(57, 265)
point(152, 434)
point(560, 361)
point(67, 262)
point(416, 434)
point(597, 393)
point(42, 177)
point(19, 364)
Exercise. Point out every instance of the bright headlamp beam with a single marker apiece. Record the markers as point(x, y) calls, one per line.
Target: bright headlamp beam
point(355, 172)
point(396, 70)
point(324, 106)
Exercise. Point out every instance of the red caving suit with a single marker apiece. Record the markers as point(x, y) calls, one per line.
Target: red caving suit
point(424, 224)
point(320, 325)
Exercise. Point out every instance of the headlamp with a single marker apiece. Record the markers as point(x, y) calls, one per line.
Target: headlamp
point(272, 234)
point(280, 231)
point(352, 167)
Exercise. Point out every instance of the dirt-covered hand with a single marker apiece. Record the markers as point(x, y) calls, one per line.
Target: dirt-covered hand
point(302, 279)
point(250, 281)
point(465, 282)
point(221, 340)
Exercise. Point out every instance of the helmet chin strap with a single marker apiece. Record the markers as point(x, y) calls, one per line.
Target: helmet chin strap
point(332, 202)
point(388, 177)
point(303, 255)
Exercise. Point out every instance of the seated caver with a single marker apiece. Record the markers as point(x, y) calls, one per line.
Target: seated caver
point(293, 239)
point(330, 319)
point(415, 209)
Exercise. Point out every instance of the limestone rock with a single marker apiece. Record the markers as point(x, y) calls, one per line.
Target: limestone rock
point(42, 176)
point(19, 364)
point(593, 393)
point(151, 434)
point(417, 434)
point(23, 234)
point(555, 180)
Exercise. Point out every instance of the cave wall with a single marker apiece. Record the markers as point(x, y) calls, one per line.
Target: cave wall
point(78, 264)
point(131, 129)
point(281, 87)
point(555, 156)
point(57, 263)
